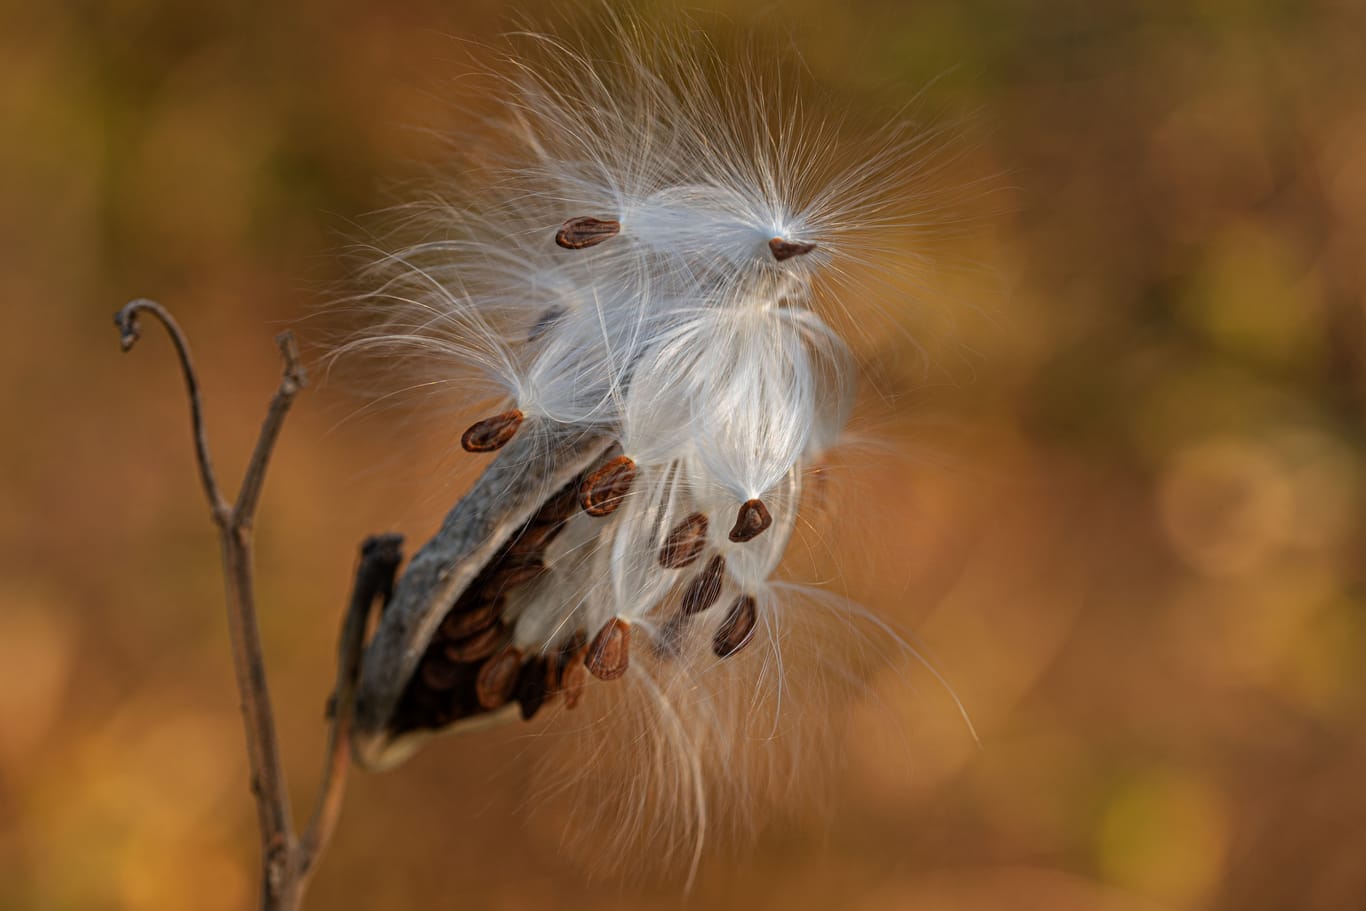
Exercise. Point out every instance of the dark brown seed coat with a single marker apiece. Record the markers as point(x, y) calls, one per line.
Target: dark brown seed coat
point(685, 543)
point(531, 688)
point(610, 652)
point(586, 231)
point(786, 249)
point(463, 624)
point(737, 629)
point(705, 587)
point(498, 678)
point(476, 647)
point(603, 490)
point(751, 521)
point(491, 433)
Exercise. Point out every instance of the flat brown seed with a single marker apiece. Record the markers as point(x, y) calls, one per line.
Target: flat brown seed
point(705, 587)
point(491, 433)
point(571, 684)
point(609, 654)
point(498, 678)
point(668, 643)
point(685, 543)
point(586, 231)
point(531, 691)
point(518, 573)
point(602, 491)
point(737, 629)
point(752, 520)
point(463, 624)
point(786, 249)
point(438, 672)
point(476, 647)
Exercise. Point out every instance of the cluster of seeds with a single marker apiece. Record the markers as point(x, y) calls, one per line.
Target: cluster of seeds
point(640, 259)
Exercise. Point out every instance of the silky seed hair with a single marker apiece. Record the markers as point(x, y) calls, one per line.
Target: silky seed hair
point(656, 243)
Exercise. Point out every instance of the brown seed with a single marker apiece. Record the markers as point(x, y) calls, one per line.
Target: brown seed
point(438, 672)
point(547, 319)
point(610, 652)
point(737, 629)
point(752, 520)
point(569, 654)
point(705, 587)
point(586, 231)
point(685, 543)
point(786, 249)
point(532, 539)
point(515, 573)
point(531, 691)
point(561, 505)
point(476, 647)
point(668, 643)
point(498, 678)
point(603, 490)
point(571, 684)
point(463, 624)
point(491, 433)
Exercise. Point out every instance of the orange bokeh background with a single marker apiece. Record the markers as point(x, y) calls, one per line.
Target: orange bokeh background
point(1117, 497)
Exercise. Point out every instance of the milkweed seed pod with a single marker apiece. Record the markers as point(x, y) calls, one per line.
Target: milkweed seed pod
point(642, 271)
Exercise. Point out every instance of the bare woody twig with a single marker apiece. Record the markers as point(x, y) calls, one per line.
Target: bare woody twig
point(287, 860)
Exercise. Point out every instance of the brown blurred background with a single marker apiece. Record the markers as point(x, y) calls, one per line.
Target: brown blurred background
point(1123, 511)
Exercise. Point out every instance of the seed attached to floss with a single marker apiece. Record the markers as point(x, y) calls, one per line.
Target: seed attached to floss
point(610, 652)
point(752, 520)
point(737, 629)
point(491, 433)
point(786, 249)
point(685, 543)
point(703, 590)
point(604, 489)
point(498, 678)
point(586, 231)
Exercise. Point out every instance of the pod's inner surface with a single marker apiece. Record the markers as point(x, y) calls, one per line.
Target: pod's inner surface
point(471, 666)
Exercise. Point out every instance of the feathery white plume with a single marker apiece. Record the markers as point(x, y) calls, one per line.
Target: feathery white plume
point(648, 246)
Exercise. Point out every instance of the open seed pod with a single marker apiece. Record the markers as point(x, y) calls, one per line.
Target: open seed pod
point(420, 675)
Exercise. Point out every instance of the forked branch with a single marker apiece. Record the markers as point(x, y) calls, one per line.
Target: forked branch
point(287, 859)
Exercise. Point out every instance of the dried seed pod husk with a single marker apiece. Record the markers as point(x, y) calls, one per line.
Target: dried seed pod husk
point(531, 688)
point(492, 433)
point(476, 647)
point(586, 231)
point(603, 490)
point(737, 629)
point(685, 542)
point(752, 520)
point(497, 679)
point(705, 587)
point(609, 654)
point(786, 249)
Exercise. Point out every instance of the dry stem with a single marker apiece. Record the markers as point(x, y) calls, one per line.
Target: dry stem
point(287, 859)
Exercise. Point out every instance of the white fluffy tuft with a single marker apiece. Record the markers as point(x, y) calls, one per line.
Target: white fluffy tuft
point(699, 336)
